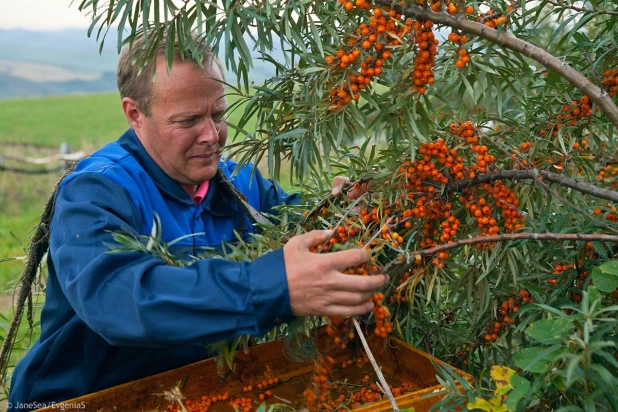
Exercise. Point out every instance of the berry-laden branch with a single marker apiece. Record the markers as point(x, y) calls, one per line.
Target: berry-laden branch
point(517, 236)
point(508, 41)
point(562, 180)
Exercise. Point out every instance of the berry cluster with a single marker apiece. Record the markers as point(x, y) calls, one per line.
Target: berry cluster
point(383, 28)
point(609, 175)
point(337, 396)
point(506, 316)
point(425, 58)
point(451, 8)
point(382, 316)
point(399, 295)
point(558, 270)
point(341, 330)
point(610, 79)
point(492, 19)
point(318, 395)
point(206, 402)
point(461, 54)
point(570, 115)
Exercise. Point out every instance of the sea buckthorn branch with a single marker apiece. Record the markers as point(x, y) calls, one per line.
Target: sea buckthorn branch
point(597, 95)
point(540, 181)
point(581, 9)
point(517, 236)
point(562, 180)
point(573, 207)
point(412, 256)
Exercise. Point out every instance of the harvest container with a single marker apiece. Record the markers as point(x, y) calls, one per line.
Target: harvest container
point(399, 361)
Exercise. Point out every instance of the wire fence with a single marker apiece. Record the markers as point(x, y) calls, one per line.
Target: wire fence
point(19, 164)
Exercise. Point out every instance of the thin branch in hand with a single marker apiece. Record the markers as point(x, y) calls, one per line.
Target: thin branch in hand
point(383, 385)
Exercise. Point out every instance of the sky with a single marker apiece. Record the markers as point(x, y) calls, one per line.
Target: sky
point(41, 14)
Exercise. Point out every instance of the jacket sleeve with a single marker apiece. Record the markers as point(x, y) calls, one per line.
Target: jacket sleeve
point(134, 298)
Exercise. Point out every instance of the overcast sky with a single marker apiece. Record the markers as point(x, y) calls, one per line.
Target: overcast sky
point(41, 14)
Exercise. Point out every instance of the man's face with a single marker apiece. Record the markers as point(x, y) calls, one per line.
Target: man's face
point(186, 129)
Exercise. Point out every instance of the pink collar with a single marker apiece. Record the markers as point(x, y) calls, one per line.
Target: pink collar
point(200, 193)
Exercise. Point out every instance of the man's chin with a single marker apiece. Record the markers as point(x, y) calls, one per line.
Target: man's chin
point(206, 174)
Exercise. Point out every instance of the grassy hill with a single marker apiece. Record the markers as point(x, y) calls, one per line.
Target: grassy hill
point(82, 120)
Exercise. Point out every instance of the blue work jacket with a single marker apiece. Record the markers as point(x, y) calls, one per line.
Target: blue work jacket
point(113, 318)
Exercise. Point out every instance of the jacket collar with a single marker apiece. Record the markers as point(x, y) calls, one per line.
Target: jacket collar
point(218, 202)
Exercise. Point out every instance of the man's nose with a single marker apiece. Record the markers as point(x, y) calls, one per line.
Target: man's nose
point(209, 134)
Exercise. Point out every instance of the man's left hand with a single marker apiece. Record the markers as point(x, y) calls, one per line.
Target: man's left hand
point(339, 182)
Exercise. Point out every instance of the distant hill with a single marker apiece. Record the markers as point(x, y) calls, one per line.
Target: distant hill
point(16, 87)
point(43, 63)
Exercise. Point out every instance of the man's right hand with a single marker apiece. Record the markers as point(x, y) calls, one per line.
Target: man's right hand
point(316, 282)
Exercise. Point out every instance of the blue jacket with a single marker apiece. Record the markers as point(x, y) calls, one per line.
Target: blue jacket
point(113, 318)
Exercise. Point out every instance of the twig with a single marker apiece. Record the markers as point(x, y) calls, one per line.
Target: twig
point(282, 399)
point(562, 180)
point(598, 96)
point(324, 202)
point(581, 9)
point(499, 238)
point(253, 214)
point(518, 236)
point(36, 250)
point(383, 384)
point(572, 206)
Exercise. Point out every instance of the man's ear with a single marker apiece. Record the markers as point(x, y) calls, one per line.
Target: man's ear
point(134, 115)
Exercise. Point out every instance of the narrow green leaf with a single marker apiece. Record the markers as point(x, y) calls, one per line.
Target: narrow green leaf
point(169, 44)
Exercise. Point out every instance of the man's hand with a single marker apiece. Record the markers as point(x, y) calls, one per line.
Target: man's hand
point(317, 284)
point(337, 187)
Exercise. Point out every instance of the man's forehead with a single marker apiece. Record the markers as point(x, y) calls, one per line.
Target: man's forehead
point(189, 82)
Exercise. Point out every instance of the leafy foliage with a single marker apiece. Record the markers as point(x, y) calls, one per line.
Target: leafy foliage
point(536, 79)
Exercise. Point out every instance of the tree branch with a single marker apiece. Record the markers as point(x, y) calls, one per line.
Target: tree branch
point(581, 9)
point(598, 96)
point(517, 236)
point(562, 180)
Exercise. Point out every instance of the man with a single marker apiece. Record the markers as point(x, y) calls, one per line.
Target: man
point(113, 318)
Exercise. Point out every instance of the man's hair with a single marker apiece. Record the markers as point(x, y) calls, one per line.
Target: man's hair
point(137, 84)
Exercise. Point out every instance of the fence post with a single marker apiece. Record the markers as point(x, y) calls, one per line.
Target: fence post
point(65, 149)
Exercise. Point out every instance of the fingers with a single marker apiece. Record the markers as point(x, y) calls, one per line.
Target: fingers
point(358, 284)
point(337, 185)
point(342, 310)
point(355, 193)
point(313, 238)
point(347, 258)
point(341, 298)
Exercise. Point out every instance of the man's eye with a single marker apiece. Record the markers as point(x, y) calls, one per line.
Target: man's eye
point(219, 117)
point(188, 122)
